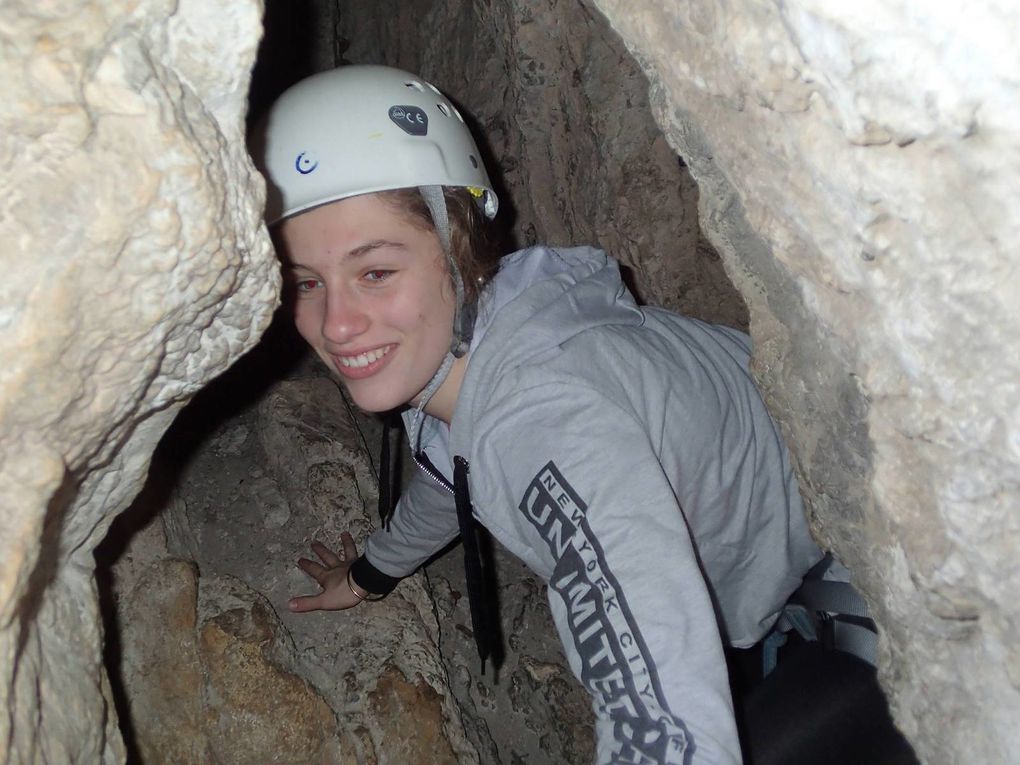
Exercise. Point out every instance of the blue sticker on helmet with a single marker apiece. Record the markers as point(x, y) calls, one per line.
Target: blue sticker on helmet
point(305, 164)
point(410, 119)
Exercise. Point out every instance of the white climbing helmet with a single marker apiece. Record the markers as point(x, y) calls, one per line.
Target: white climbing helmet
point(359, 129)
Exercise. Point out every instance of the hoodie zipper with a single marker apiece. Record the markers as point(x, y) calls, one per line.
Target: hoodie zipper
point(432, 471)
point(486, 634)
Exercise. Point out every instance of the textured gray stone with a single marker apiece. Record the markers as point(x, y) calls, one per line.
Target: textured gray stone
point(298, 451)
point(208, 671)
point(135, 269)
point(853, 164)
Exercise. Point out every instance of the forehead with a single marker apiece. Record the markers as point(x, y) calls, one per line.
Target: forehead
point(344, 219)
point(352, 226)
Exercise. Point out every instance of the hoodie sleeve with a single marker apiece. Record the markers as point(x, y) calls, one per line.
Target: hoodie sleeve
point(591, 508)
point(424, 521)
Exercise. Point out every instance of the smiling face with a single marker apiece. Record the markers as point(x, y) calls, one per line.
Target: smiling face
point(372, 296)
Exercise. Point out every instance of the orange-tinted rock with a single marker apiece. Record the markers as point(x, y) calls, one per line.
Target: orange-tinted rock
point(411, 720)
point(160, 669)
point(256, 712)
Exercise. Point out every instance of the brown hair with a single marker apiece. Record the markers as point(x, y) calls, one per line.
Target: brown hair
point(473, 245)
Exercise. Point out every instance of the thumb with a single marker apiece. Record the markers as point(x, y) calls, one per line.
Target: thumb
point(305, 603)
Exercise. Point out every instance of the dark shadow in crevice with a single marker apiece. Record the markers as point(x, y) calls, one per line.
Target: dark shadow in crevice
point(280, 353)
point(285, 53)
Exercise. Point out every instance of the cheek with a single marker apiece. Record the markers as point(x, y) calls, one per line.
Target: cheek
point(438, 313)
point(306, 320)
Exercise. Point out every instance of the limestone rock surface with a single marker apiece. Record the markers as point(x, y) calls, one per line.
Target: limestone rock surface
point(207, 664)
point(854, 162)
point(135, 269)
point(250, 489)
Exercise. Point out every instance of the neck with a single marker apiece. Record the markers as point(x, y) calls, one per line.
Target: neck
point(444, 402)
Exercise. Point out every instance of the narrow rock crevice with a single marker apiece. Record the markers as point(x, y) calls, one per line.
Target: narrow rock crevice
point(829, 181)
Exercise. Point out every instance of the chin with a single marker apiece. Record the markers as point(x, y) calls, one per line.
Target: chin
point(373, 404)
point(373, 401)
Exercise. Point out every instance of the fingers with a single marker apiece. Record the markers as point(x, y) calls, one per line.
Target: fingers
point(329, 557)
point(315, 570)
point(350, 551)
point(330, 576)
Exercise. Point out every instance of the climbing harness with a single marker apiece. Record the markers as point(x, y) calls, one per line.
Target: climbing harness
point(825, 610)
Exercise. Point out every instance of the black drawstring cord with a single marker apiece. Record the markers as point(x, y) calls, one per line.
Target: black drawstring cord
point(478, 565)
point(385, 489)
point(472, 561)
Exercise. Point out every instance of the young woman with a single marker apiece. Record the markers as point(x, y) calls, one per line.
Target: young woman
point(623, 452)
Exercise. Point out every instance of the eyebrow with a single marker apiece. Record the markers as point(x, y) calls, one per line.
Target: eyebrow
point(375, 244)
point(359, 251)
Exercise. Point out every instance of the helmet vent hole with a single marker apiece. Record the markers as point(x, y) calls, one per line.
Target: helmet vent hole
point(414, 86)
point(474, 162)
point(444, 109)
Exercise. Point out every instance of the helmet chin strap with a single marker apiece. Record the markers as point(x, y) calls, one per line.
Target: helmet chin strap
point(464, 317)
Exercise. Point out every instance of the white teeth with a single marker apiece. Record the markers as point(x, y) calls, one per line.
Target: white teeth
point(363, 359)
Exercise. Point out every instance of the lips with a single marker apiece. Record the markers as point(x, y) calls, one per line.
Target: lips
point(364, 364)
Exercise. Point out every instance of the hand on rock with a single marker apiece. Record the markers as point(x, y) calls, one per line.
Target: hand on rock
point(331, 576)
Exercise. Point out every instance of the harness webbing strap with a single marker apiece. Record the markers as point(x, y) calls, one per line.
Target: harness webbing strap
point(855, 639)
point(474, 573)
point(836, 597)
point(825, 609)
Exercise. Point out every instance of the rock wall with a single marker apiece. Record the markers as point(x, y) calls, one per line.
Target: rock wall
point(135, 269)
point(853, 172)
point(211, 675)
point(854, 163)
point(236, 495)
point(855, 168)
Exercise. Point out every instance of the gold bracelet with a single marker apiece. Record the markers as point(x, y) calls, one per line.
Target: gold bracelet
point(351, 588)
point(361, 598)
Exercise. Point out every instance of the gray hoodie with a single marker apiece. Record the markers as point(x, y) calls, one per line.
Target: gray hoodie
point(625, 454)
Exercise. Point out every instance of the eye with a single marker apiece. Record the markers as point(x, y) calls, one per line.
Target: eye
point(304, 286)
point(377, 275)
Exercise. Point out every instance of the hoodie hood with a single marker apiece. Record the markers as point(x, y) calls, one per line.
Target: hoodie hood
point(540, 298)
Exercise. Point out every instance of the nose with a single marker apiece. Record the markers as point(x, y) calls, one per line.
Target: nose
point(345, 318)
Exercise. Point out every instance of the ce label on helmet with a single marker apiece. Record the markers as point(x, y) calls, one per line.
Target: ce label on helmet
point(410, 119)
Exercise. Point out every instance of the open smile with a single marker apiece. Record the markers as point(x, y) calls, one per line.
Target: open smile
point(364, 364)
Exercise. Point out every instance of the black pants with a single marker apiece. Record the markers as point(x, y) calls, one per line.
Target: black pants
point(817, 707)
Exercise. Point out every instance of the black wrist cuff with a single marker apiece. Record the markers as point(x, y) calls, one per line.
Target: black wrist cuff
point(369, 578)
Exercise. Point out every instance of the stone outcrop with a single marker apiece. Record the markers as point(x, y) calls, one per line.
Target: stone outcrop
point(135, 269)
point(247, 490)
point(207, 668)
